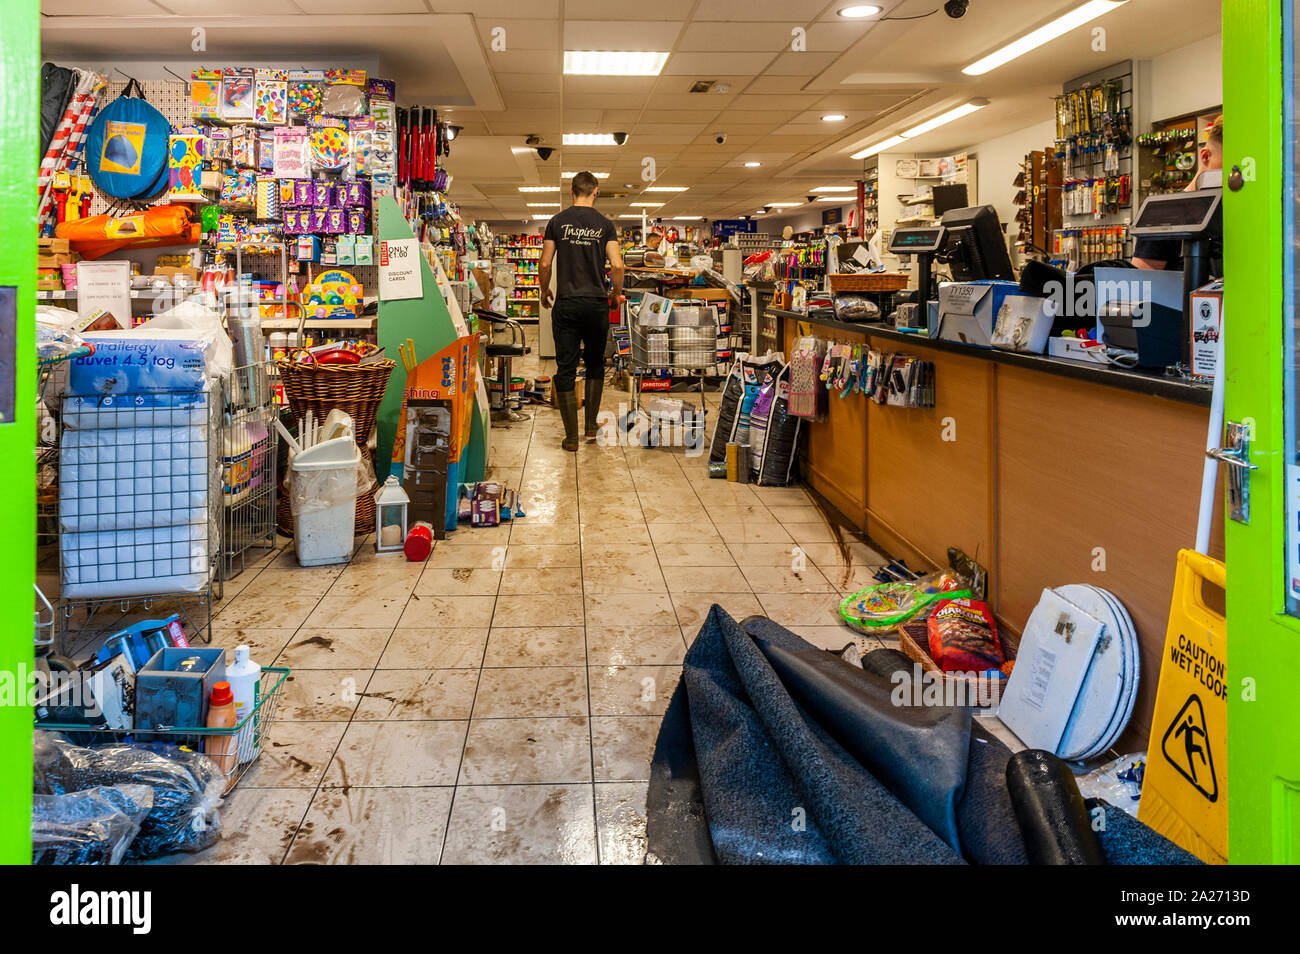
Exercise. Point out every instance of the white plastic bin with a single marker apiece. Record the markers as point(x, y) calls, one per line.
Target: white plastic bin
point(324, 500)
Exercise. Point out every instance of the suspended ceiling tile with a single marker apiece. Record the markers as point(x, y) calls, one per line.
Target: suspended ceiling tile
point(519, 34)
point(527, 82)
point(525, 61)
point(714, 36)
point(801, 64)
point(232, 8)
point(704, 65)
point(749, 11)
point(609, 85)
point(835, 37)
point(90, 8)
point(659, 10)
point(776, 84)
point(620, 34)
point(503, 9)
point(338, 7)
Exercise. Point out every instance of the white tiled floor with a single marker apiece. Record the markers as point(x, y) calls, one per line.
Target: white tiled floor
point(499, 703)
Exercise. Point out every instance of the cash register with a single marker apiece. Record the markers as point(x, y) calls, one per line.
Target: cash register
point(1196, 219)
point(924, 243)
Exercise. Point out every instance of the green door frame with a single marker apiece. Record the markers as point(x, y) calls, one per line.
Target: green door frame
point(19, 117)
point(1263, 663)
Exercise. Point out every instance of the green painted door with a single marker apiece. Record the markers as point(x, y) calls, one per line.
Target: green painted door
point(19, 118)
point(1261, 218)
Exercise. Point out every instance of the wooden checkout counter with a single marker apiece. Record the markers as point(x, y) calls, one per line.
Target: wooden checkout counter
point(1052, 472)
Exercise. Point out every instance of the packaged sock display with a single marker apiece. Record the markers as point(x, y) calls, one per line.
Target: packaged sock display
point(746, 370)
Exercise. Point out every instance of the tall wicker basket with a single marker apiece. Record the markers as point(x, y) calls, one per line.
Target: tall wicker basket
point(355, 389)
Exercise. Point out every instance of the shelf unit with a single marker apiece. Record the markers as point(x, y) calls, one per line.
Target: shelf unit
point(870, 196)
point(1038, 198)
point(1159, 150)
point(1095, 143)
point(524, 253)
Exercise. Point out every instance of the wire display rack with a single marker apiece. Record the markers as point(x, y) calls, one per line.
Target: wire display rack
point(251, 733)
point(140, 500)
point(681, 343)
point(248, 472)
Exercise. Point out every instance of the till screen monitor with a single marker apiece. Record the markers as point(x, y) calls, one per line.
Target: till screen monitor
point(914, 241)
point(1180, 215)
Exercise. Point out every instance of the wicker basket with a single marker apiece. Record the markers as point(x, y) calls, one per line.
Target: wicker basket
point(355, 389)
point(914, 641)
point(875, 282)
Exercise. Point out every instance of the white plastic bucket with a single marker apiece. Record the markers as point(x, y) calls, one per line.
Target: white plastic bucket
point(325, 500)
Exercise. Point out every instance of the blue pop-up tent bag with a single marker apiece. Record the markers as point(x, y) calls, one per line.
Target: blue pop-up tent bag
point(126, 147)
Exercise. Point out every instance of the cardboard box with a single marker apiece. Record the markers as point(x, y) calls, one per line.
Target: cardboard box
point(170, 272)
point(967, 310)
point(49, 245)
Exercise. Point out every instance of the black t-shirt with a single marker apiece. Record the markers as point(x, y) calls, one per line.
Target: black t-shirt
point(580, 234)
point(1169, 251)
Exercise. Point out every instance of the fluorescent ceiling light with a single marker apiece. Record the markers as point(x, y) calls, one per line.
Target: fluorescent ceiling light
point(598, 175)
point(832, 198)
point(665, 189)
point(589, 139)
point(648, 205)
point(858, 11)
point(613, 63)
point(944, 118)
point(626, 215)
point(543, 205)
point(889, 143)
point(1044, 34)
point(684, 218)
point(833, 118)
point(538, 218)
point(784, 205)
point(847, 188)
point(553, 188)
point(751, 165)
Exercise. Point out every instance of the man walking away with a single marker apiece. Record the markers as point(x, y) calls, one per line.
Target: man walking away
point(584, 241)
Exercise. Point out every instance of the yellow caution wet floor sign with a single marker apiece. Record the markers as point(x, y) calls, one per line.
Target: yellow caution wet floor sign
point(1185, 789)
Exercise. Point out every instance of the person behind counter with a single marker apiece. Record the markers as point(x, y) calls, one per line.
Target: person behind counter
point(1163, 254)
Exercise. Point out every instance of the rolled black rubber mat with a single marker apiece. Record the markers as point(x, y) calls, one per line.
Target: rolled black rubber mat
point(1052, 816)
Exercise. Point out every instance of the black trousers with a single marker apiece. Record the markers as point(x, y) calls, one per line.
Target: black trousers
point(580, 327)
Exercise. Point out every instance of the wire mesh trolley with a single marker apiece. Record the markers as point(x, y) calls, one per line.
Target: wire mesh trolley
point(140, 500)
point(667, 341)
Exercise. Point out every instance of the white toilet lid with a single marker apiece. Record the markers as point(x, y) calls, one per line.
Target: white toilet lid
point(1102, 692)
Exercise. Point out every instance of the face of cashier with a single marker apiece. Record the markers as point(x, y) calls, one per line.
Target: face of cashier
point(1211, 154)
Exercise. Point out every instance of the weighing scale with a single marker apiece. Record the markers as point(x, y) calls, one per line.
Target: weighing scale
point(924, 243)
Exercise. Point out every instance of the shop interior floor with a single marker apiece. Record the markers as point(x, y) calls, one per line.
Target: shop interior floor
point(499, 702)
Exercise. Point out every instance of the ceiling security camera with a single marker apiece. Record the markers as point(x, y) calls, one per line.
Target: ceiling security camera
point(956, 8)
point(620, 138)
point(544, 153)
point(810, 198)
point(533, 141)
point(720, 138)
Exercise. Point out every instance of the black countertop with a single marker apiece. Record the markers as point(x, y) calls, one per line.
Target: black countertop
point(1153, 383)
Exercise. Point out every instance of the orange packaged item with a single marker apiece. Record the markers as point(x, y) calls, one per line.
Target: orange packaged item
point(964, 638)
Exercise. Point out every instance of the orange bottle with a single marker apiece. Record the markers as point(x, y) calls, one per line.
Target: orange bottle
point(222, 748)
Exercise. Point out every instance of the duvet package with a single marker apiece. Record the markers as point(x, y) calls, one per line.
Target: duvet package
point(135, 491)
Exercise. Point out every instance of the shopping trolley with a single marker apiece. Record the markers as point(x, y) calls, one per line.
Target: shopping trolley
point(668, 341)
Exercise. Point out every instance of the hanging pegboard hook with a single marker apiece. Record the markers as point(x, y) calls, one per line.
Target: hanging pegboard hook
point(181, 79)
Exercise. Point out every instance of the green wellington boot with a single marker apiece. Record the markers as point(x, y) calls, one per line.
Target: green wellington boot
point(592, 401)
point(567, 401)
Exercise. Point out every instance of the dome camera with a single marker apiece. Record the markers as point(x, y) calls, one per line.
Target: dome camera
point(720, 138)
point(810, 198)
point(620, 138)
point(544, 153)
point(956, 8)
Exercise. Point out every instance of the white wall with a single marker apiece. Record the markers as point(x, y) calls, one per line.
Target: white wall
point(1187, 80)
point(999, 161)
